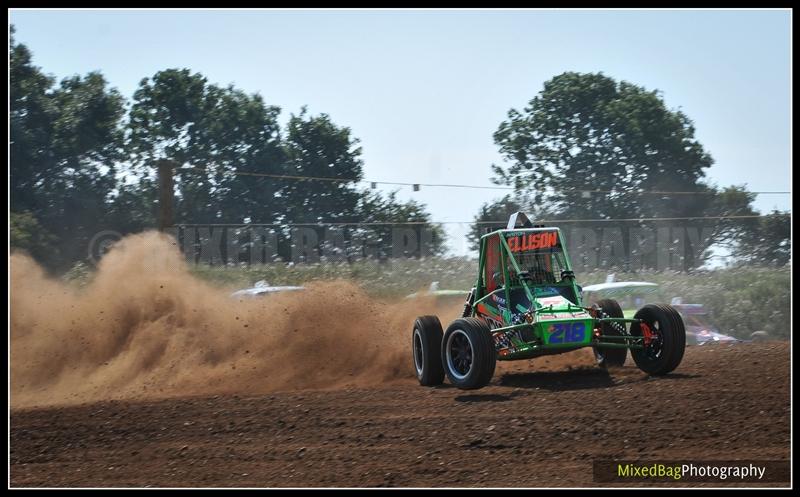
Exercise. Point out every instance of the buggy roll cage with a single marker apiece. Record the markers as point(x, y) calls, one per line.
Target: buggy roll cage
point(506, 256)
point(519, 225)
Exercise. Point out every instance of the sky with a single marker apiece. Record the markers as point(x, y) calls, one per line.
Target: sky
point(425, 90)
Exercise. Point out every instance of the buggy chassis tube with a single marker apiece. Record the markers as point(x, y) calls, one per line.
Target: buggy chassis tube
point(486, 296)
point(534, 350)
point(531, 349)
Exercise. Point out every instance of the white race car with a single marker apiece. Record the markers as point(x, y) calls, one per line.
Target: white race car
point(262, 288)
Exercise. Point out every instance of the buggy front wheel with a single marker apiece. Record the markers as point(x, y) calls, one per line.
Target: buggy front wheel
point(468, 353)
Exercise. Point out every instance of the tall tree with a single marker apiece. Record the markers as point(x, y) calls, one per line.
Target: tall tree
point(767, 242)
point(76, 170)
point(590, 132)
point(387, 220)
point(316, 147)
point(249, 138)
point(588, 147)
point(213, 133)
point(31, 122)
point(26, 234)
point(65, 142)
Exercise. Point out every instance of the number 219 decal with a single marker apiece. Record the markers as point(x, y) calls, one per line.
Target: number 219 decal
point(567, 332)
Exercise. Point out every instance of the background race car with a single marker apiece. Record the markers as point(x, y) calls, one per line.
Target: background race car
point(262, 289)
point(443, 296)
point(632, 295)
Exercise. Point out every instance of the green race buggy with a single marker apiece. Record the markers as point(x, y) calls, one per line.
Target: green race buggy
point(525, 304)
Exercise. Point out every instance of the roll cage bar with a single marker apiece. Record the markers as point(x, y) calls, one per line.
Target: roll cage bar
point(506, 256)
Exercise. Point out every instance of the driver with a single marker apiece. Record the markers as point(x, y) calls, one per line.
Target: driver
point(540, 274)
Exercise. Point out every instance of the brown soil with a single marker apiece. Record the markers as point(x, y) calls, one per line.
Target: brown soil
point(534, 428)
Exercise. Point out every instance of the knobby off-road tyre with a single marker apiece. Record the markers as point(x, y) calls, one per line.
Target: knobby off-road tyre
point(681, 330)
point(426, 343)
point(468, 353)
point(665, 352)
point(611, 357)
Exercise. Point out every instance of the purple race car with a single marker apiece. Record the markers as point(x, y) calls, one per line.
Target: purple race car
point(699, 330)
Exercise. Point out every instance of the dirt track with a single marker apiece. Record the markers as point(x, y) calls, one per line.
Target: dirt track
point(526, 429)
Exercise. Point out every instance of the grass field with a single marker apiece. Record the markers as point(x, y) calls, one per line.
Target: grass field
point(741, 300)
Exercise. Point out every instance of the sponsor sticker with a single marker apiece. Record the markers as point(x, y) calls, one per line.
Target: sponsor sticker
point(533, 241)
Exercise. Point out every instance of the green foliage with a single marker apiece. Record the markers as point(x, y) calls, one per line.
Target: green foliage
point(26, 234)
point(316, 147)
point(377, 208)
point(64, 143)
point(588, 132)
point(79, 275)
point(768, 241)
point(77, 170)
point(166, 118)
point(179, 116)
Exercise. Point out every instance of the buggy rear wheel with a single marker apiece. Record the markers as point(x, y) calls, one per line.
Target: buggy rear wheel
point(665, 335)
point(468, 353)
point(426, 342)
point(608, 357)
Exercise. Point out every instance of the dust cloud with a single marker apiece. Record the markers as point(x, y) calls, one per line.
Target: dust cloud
point(145, 328)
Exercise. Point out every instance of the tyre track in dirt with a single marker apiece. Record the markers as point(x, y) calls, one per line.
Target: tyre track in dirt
point(528, 428)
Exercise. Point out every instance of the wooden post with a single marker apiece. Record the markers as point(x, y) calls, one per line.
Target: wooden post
point(166, 194)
